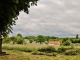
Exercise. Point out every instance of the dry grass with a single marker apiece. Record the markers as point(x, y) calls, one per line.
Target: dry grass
point(17, 55)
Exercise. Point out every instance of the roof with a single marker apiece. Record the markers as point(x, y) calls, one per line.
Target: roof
point(54, 42)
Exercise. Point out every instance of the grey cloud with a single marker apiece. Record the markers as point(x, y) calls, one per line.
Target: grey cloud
point(50, 17)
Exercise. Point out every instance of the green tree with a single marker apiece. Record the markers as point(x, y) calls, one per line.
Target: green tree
point(14, 39)
point(47, 38)
point(66, 43)
point(19, 35)
point(31, 40)
point(64, 40)
point(20, 40)
point(41, 39)
point(77, 36)
point(9, 11)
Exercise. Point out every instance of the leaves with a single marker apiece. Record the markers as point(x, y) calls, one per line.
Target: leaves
point(9, 10)
point(15, 1)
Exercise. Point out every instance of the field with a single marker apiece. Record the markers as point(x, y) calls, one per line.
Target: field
point(21, 55)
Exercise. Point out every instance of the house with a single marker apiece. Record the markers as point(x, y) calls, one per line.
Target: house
point(54, 43)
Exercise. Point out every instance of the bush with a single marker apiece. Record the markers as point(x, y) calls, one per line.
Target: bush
point(47, 49)
point(78, 51)
point(46, 42)
point(20, 41)
point(40, 53)
point(66, 43)
point(6, 40)
point(18, 49)
point(34, 53)
point(70, 52)
point(54, 53)
point(49, 54)
point(62, 49)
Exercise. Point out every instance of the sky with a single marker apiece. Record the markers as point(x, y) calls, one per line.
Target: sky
point(59, 18)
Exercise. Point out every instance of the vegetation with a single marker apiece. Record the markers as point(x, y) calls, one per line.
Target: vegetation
point(17, 55)
point(9, 11)
point(30, 52)
point(67, 47)
point(47, 49)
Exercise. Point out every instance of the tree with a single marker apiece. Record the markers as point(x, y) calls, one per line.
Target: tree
point(47, 38)
point(41, 38)
point(77, 36)
point(9, 11)
point(20, 40)
point(19, 35)
point(66, 43)
point(14, 39)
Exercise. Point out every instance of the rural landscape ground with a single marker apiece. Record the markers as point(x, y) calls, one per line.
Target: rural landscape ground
point(15, 54)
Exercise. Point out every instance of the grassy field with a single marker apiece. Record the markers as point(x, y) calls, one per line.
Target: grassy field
point(17, 55)
point(20, 55)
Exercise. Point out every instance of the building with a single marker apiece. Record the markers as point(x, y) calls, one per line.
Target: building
point(54, 43)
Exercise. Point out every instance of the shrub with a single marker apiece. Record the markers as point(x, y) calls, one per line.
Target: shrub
point(18, 49)
point(46, 42)
point(40, 53)
point(6, 40)
point(62, 49)
point(34, 53)
point(47, 49)
point(20, 41)
point(49, 54)
point(54, 53)
point(66, 43)
point(70, 52)
point(78, 51)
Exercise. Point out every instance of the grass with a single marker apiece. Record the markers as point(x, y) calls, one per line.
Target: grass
point(17, 55)
point(20, 52)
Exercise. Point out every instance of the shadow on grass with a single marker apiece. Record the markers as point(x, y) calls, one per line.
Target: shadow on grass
point(3, 53)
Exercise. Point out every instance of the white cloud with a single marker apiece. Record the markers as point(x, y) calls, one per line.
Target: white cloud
point(50, 17)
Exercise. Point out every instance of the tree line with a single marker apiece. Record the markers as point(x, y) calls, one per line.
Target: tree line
point(19, 39)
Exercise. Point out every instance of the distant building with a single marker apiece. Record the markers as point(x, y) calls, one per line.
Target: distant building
point(54, 43)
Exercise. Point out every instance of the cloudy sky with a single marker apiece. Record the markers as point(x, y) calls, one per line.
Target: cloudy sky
point(51, 17)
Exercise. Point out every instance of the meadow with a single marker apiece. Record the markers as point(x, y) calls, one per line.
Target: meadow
point(17, 52)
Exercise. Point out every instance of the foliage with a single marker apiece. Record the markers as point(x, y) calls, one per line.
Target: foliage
point(20, 40)
point(75, 40)
point(41, 39)
point(40, 53)
point(6, 40)
point(46, 42)
point(49, 54)
point(64, 39)
point(55, 53)
point(18, 49)
point(70, 52)
point(52, 37)
point(34, 52)
point(9, 10)
point(77, 36)
point(31, 40)
point(47, 38)
point(78, 51)
point(66, 43)
point(14, 39)
point(61, 50)
point(47, 49)
point(19, 35)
